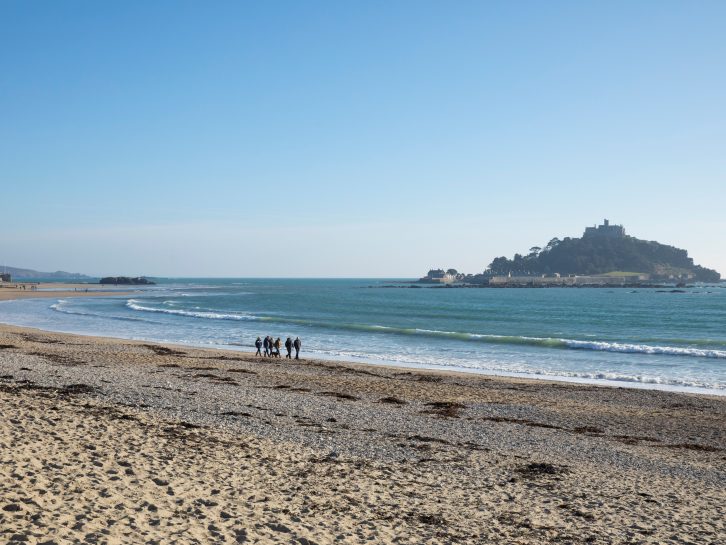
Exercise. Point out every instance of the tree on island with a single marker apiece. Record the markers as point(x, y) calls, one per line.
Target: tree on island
point(601, 255)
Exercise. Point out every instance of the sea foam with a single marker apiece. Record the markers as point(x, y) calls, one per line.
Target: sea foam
point(543, 342)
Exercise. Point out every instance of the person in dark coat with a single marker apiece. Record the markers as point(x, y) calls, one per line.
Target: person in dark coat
point(277, 344)
point(267, 346)
point(297, 344)
point(258, 345)
point(288, 347)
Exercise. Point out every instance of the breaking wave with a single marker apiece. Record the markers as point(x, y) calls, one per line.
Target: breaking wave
point(496, 368)
point(60, 306)
point(543, 342)
point(133, 304)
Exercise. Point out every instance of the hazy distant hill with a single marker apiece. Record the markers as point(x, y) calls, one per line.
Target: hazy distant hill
point(603, 250)
point(30, 273)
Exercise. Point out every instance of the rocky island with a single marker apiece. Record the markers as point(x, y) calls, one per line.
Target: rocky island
point(126, 281)
point(603, 256)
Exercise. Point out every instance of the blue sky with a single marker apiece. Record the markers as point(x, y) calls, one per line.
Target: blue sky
point(353, 138)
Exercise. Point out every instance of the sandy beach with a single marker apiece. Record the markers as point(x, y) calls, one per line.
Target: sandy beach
point(22, 290)
point(110, 441)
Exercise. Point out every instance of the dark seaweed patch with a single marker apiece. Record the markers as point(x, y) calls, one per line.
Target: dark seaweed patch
point(392, 400)
point(534, 470)
point(589, 429)
point(425, 439)
point(77, 389)
point(694, 446)
point(37, 339)
point(522, 421)
point(60, 359)
point(445, 409)
point(236, 413)
point(339, 395)
point(228, 358)
point(216, 378)
point(163, 350)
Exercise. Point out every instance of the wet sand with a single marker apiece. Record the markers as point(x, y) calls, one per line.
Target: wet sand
point(14, 290)
point(111, 441)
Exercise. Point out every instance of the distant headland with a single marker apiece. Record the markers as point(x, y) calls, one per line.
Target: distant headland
point(8, 273)
point(604, 256)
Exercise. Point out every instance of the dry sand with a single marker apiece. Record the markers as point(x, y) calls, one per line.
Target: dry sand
point(14, 290)
point(108, 441)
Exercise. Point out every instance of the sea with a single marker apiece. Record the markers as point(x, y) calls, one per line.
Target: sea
point(663, 338)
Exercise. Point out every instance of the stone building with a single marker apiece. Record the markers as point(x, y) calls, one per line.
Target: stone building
point(605, 230)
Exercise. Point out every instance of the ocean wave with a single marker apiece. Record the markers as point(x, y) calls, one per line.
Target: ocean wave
point(133, 304)
point(60, 307)
point(542, 342)
point(681, 341)
point(492, 367)
point(644, 349)
point(548, 342)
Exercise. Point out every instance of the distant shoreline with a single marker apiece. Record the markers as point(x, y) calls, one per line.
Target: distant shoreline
point(44, 290)
point(436, 285)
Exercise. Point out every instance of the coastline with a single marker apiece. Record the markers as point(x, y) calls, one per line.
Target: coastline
point(223, 444)
point(63, 291)
point(50, 289)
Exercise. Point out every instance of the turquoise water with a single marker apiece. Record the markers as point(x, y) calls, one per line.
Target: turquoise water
point(636, 337)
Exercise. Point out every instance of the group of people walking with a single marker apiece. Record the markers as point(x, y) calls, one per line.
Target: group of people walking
point(272, 347)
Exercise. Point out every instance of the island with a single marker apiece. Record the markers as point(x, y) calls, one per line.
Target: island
point(126, 281)
point(604, 256)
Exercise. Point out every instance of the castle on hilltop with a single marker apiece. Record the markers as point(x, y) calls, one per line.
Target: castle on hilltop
point(605, 230)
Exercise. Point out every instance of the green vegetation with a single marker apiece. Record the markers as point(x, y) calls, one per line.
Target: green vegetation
point(603, 255)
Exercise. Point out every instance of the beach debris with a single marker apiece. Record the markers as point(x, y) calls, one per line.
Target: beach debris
point(339, 395)
point(425, 439)
point(216, 378)
point(61, 359)
point(694, 446)
point(163, 350)
point(522, 421)
point(539, 469)
point(444, 409)
point(392, 400)
point(236, 413)
point(589, 429)
point(431, 518)
point(37, 339)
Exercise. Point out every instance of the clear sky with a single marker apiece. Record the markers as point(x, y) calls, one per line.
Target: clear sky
point(354, 138)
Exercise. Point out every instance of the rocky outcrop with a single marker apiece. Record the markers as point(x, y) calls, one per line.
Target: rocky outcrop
point(126, 281)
